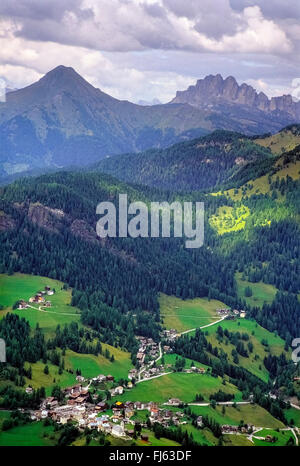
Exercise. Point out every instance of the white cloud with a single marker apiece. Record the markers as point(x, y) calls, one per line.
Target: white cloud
point(90, 35)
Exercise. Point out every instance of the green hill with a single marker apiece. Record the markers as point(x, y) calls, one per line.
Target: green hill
point(214, 159)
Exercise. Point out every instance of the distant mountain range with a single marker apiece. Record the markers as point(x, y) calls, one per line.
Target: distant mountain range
point(63, 121)
point(214, 92)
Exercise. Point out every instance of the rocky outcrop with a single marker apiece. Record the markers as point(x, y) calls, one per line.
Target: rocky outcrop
point(45, 217)
point(214, 90)
point(84, 231)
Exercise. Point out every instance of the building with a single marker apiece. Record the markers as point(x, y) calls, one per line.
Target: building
point(22, 304)
point(118, 431)
point(175, 401)
point(119, 390)
point(199, 421)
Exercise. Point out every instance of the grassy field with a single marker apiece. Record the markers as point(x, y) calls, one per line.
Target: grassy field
point(178, 385)
point(21, 286)
point(249, 414)
point(261, 185)
point(261, 292)
point(202, 436)
point(154, 442)
point(256, 334)
point(91, 365)
point(170, 358)
point(185, 315)
point(294, 414)
point(282, 436)
point(39, 379)
point(34, 434)
point(280, 142)
point(229, 219)
point(232, 440)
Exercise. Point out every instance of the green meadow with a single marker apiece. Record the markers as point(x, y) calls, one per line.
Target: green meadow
point(229, 219)
point(282, 437)
point(22, 286)
point(203, 437)
point(170, 358)
point(235, 440)
point(261, 292)
point(91, 365)
point(178, 385)
point(154, 442)
point(40, 379)
point(293, 414)
point(249, 414)
point(33, 434)
point(191, 313)
point(256, 334)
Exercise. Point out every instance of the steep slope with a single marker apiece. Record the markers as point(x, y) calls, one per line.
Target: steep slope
point(198, 164)
point(287, 139)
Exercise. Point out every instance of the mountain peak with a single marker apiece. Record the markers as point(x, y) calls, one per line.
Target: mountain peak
point(64, 76)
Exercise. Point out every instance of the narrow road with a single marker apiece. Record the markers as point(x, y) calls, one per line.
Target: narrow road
point(154, 377)
point(150, 364)
point(258, 429)
point(160, 350)
point(222, 403)
point(52, 312)
point(203, 326)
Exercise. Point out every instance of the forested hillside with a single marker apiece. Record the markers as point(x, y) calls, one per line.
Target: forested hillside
point(48, 228)
point(195, 165)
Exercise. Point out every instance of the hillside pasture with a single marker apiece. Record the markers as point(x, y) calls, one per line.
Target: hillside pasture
point(22, 286)
point(273, 344)
point(185, 315)
point(178, 385)
point(261, 292)
point(249, 414)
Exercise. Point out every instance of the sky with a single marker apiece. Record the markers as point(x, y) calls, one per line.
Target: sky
point(149, 49)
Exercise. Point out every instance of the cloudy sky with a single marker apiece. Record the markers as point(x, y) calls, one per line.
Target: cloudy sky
point(145, 49)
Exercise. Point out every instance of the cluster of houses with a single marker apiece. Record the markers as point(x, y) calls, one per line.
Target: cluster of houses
point(227, 429)
point(147, 347)
point(116, 420)
point(194, 369)
point(39, 297)
point(169, 335)
point(153, 371)
point(231, 313)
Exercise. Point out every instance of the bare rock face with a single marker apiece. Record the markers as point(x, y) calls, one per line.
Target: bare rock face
point(6, 222)
point(83, 230)
point(45, 217)
point(214, 90)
